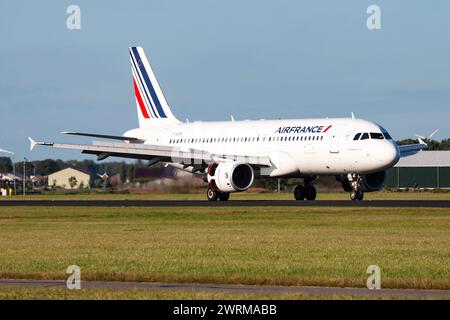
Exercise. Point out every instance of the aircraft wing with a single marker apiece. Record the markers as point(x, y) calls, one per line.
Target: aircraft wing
point(105, 136)
point(154, 153)
point(410, 149)
point(6, 151)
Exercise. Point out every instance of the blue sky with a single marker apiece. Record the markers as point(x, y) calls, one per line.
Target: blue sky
point(253, 59)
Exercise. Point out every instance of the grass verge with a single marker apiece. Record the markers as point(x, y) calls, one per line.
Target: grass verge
point(261, 245)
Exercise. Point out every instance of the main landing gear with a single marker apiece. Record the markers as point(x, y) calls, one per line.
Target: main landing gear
point(214, 195)
point(307, 191)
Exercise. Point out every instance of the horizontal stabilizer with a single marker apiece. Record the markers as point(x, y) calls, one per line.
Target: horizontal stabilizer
point(35, 143)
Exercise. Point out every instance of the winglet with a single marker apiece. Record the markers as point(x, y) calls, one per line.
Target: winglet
point(32, 143)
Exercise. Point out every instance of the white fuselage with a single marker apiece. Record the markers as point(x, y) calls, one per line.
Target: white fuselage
point(295, 147)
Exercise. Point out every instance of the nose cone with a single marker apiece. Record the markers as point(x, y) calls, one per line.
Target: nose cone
point(390, 155)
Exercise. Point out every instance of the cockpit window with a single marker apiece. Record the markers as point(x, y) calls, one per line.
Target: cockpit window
point(365, 136)
point(376, 135)
point(357, 136)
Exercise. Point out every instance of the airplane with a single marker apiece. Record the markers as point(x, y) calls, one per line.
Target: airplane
point(6, 151)
point(229, 155)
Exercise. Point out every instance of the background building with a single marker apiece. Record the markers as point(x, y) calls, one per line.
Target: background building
point(69, 178)
point(426, 169)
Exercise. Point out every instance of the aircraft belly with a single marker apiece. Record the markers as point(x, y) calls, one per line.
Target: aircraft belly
point(282, 164)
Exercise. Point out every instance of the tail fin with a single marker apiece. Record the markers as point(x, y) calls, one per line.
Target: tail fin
point(151, 104)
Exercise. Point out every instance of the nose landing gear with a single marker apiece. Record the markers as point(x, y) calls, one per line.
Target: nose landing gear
point(356, 195)
point(355, 180)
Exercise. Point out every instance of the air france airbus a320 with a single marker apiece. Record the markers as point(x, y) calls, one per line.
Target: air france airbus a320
point(229, 155)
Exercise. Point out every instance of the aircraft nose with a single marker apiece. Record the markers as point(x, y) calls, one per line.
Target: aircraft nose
point(391, 154)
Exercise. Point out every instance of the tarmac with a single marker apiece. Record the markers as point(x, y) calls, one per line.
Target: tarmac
point(235, 288)
point(230, 203)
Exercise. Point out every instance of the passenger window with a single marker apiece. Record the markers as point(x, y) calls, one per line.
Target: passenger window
point(376, 135)
point(357, 136)
point(365, 136)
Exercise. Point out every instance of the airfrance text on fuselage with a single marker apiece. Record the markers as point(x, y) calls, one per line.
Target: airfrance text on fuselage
point(306, 129)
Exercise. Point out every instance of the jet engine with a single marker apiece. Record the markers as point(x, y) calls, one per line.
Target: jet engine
point(230, 176)
point(373, 181)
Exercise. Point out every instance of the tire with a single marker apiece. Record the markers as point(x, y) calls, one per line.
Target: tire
point(299, 193)
point(311, 193)
point(356, 195)
point(359, 195)
point(212, 195)
point(224, 196)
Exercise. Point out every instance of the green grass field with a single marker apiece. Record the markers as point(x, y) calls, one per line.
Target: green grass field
point(20, 293)
point(261, 245)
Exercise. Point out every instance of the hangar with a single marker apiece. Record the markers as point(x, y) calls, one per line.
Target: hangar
point(69, 178)
point(425, 169)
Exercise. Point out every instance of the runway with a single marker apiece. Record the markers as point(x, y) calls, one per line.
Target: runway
point(230, 203)
point(233, 288)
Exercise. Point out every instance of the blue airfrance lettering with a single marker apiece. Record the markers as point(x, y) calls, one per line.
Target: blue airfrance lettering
point(306, 129)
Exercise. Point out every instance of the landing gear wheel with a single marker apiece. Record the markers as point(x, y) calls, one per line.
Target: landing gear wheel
point(212, 195)
point(360, 195)
point(310, 193)
point(224, 196)
point(299, 193)
point(356, 195)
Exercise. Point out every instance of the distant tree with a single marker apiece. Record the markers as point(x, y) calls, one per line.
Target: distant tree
point(72, 182)
point(406, 141)
point(47, 166)
point(5, 165)
point(433, 144)
point(445, 144)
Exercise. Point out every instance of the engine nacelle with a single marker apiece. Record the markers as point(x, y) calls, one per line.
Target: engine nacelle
point(370, 182)
point(373, 181)
point(230, 176)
